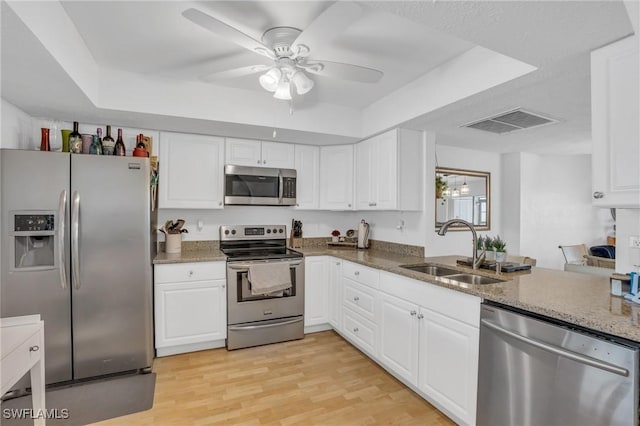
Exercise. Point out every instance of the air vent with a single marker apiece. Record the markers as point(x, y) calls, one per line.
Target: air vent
point(510, 121)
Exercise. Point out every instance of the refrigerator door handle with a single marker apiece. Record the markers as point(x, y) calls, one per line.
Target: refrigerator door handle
point(62, 212)
point(75, 230)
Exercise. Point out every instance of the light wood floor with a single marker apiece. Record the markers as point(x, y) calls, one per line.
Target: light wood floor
point(320, 380)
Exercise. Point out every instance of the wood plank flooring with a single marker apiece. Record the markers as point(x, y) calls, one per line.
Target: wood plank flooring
point(320, 380)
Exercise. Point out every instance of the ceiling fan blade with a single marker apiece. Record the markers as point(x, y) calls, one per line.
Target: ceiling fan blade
point(343, 71)
point(235, 72)
point(217, 27)
point(329, 24)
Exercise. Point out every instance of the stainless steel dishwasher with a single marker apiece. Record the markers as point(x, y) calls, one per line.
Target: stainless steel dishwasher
point(538, 372)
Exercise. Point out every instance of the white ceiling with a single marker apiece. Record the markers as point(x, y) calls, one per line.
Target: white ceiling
point(406, 40)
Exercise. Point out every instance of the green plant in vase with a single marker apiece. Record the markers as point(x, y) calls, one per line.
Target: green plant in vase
point(500, 246)
point(441, 186)
point(479, 245)
point(488, 244)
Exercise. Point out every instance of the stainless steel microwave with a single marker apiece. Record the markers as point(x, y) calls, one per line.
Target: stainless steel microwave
point(261, 186)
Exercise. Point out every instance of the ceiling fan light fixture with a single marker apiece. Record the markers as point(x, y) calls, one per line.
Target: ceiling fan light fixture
point(302, 83)
point(271, 79)
point(283, 91)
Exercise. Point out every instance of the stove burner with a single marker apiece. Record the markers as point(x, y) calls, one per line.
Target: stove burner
point(260, 242)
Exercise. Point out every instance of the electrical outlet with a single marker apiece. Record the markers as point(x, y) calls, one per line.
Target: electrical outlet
point(634, 242)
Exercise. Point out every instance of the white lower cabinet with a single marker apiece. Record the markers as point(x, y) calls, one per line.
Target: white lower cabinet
point(398, 330)
point(360, 331)
point(335, 293)
point(316, 289)
point(190, 307)
point(448, 367)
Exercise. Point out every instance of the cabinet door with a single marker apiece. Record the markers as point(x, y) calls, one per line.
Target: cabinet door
point(398, 336)
point(386, 171)
point(243, 152)
point(316, 297)
point(307, 165)
point(335, 292)
point(191, 171)
point(615, 120)
point(280, 155)
point(448, 366)
point(336, 177)
point(366, 175)
point(190, 312)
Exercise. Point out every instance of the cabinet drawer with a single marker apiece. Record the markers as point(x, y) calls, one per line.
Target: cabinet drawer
point(186, 272)
point(360, 331)
point(360, 298)
point(361, 274)
point(20, 360)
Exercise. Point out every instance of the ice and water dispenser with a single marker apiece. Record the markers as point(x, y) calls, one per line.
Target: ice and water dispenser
point(33, 240)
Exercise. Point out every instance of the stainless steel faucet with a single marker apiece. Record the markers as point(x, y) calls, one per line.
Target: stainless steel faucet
point(476, 260)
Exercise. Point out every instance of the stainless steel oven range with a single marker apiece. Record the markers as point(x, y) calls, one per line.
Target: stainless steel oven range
point(265, 286)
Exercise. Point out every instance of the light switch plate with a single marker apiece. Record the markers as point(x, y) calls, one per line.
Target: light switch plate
point(634, 241)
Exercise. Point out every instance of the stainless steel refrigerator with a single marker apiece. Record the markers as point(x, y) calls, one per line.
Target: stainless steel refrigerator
point(76, 249)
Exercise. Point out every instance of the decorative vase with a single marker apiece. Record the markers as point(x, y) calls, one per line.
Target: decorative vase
point(65, 139)
point(491, 255)
point(501, 256)
point(44, 140)
point(335, 239)
point(173, 243)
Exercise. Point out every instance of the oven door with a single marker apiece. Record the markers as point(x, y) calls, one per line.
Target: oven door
point(243, 307)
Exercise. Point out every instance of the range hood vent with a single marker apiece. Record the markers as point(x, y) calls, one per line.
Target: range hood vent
point(510, 121)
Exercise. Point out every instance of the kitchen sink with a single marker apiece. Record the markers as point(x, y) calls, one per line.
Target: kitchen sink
point(431, 269)
point(472, 279)
point(451, 274)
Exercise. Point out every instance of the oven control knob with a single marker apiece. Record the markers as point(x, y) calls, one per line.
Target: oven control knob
point(268, 231)
point(275, 230)
point(233, 232)
point(281, 230)
point(226, 232)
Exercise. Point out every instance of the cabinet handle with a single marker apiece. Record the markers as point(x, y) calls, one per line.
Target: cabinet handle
point(355, 330)
point(413, 313)
point(420, 316)
point(356, 273)
point(356, 298)
point(219, 203)
point(34, 348)
point(597, 195)
point(258, 161)
point(224, 286)
point(348, 205)
point(337, 263)
point(190, 273)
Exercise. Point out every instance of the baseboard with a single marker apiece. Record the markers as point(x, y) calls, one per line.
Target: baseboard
point(317, 328)
point(191, 347)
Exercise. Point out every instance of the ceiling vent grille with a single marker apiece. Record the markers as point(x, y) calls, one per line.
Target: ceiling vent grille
point(510, 121)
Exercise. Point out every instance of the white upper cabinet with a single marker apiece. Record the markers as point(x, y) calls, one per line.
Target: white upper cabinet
point(615, 121)
point(191, 171)
point(307, 165)
point(253, 153)
point(389, 171)
point(336, 177)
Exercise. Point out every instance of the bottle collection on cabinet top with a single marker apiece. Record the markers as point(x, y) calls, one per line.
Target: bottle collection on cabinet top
point(75, 142)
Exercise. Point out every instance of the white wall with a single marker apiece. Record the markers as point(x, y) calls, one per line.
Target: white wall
point(460, 242)
point(627, 225)
point(554, 197)
point(16, 128)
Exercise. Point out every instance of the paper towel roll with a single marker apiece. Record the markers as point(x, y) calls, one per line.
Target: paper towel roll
point(363, 234)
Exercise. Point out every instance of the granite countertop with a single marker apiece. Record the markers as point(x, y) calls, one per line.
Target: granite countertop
point(581, 299)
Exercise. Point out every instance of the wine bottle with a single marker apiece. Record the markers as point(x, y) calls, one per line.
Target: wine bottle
point(108, 144)
point(96, 145)
point(75, 140)
point(119, 148)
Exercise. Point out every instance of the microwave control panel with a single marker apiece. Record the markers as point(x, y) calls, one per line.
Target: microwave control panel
point(289, 187)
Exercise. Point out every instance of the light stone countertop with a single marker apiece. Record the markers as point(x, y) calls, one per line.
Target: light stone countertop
point(581, 299)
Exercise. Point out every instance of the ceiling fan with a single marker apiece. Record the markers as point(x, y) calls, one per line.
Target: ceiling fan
point(289, 49)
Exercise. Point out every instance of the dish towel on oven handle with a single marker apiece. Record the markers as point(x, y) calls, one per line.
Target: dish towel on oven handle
point(266, 278)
